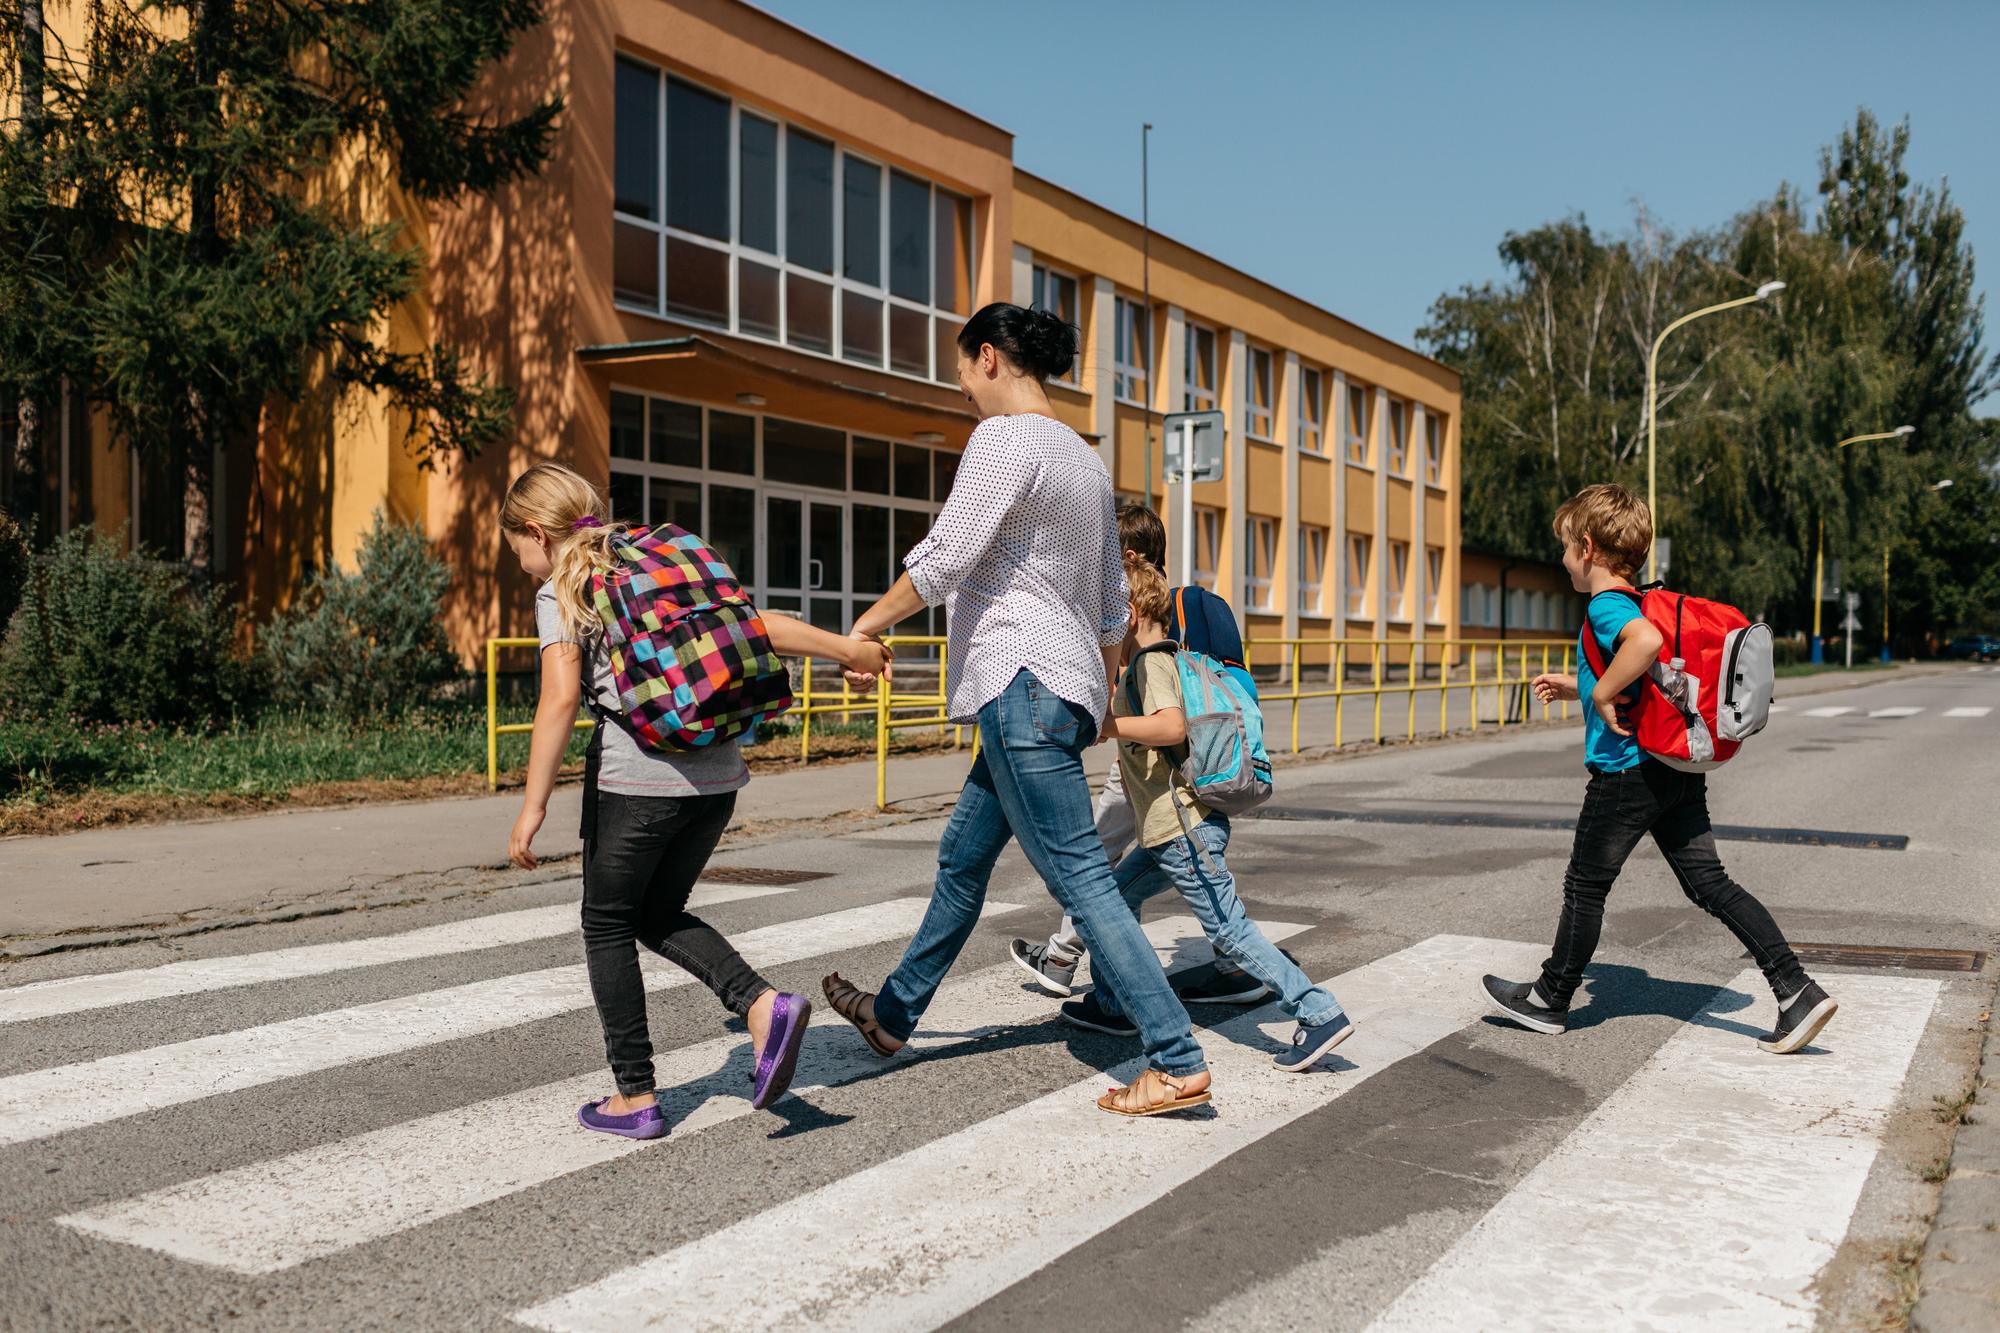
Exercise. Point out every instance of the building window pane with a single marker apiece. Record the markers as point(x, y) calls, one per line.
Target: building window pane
point(944, 471)
point(861, 221)
point(809, 202)
point(1399, 580)
point(757, 184)
point(635, 265)
point(756, 299)
point(913, 472)
point(628, 497)
point(909, 237)
point(732, 443)
point(697, 281)
point(1359, 551)
point(1198, 370)
point(954, 253)
point(636, 142)
point(1130, 352)
point(1259, 553)
point(1357, 425)
point(871, 465)
point(808, 313)
point(628, 425)
point(947, 349)
point(861, 328)
point(1433, 449)
point(1399, 436)
point(909, 340)
point(675, 431)
point(676, 502)
point(784, 525)
point(804, 455)
point(872, 572)
point(697, 161)
point(732, 529)
point(1434, 582)
point(827, 571)
point(911, 528)
point(1311, 409)
point(1257, 393)
point(1312, 569)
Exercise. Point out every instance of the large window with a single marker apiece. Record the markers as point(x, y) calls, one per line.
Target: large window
point(1312, 410)
point(1257, 395)
point(826, 251)
point(1198, 392)
point(1357, 426)
point(1433, 449)
point(1399, 580)
point(1312, 569)
point(1399, 437)
point(1260, 554)
point(1133, 354)
point(1360, 552)
point(1434, 584)
point(1056, 293)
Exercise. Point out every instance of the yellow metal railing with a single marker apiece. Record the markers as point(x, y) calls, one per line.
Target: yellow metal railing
point(1418, 657)
point(1471, 665)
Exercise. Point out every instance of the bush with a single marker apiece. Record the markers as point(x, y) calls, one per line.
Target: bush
point(17, 558)
point(107, 637)
point(370, 642)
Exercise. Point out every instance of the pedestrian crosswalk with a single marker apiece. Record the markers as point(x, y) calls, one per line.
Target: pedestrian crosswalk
point(1892, 711)
point(1679, 1195)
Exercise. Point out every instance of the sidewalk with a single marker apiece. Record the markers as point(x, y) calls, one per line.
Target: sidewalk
point(1960, 1288)
point(150, 880)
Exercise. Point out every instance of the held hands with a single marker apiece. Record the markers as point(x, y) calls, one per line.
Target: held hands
point(868, 659)
point(1551, 687)
point(520, 843)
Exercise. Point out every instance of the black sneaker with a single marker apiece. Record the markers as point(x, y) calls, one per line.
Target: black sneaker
point(1799, 1020)
point(1050, 973)
point(1220, 987)
point(1087, 1013)
point(1518, 1001)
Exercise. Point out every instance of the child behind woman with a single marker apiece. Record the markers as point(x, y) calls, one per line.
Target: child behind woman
point(651, 819)
point(1159, 723)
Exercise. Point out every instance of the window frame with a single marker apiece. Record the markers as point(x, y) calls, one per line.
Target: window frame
point(1192, 399)
point(1043, 275)
point(1397, 441)
point(1360, 591)
point(1312, 424)
point(1208, 544)
point(1433, 584)
point(1399, 580)
point(1360, 440)
point(739, 252)
point(1312, 569)
point(1260, 545)
point(1433, 449)
point(1259, 421)
point(1126, 316)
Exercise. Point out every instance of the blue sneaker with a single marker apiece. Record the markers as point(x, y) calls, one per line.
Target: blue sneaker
point(1310, 1043)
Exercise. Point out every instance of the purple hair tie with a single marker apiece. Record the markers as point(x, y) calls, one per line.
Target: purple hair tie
point(587, 521)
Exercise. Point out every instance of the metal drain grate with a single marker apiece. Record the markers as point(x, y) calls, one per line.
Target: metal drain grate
point(1892, 956)
point(761, 875)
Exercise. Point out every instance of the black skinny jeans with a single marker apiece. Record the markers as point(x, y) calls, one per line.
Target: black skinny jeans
point(641, 857)
point(1620, 808)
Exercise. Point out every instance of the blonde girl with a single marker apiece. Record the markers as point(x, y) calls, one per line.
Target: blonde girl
point(651, 819)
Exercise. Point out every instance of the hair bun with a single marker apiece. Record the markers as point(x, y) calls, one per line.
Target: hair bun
point(1049, 343)
point(1038, 342)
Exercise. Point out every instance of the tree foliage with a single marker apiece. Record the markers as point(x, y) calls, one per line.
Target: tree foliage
point(1879, 325)
point(167, 234)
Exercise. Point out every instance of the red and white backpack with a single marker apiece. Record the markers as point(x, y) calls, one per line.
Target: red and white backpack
point(1711, 689)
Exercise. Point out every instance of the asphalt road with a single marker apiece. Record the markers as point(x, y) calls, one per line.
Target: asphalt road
point(365, 1121)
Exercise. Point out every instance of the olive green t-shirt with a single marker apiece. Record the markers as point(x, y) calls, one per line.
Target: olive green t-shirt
point(1148, 775)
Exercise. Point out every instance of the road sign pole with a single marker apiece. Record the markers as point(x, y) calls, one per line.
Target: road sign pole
point(1187, 503)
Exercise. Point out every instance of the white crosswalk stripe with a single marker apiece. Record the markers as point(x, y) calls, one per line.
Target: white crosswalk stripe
point(45, 1102)
point(1899, 711)
point(1781, 708)
point(980, 1198)
point(1706, 1193)
point(1834, 711)
point(276, 1214)
point(99, 990)
point(1967, 712)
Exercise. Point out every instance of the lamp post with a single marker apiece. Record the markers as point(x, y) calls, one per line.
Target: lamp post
point(1819, 555)
point(1653, 402)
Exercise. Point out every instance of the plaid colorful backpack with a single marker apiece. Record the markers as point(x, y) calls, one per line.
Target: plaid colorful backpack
point(689, 652)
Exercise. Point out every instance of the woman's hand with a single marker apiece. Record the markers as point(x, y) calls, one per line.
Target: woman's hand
point(1550, 686)
point(868, 660)
point(520, 843)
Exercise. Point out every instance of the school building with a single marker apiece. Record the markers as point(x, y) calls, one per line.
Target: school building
point(732, 296)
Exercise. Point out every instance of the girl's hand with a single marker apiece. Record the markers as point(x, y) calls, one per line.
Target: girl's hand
point(1550, 687)
point(1107, 732)
point(868, 660)
point(520, 843)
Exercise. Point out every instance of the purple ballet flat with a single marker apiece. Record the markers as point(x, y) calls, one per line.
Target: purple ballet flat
point(789, 1016)
point(645, 1123)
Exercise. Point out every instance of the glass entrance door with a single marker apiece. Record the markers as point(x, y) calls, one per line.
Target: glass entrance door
point(805, 543)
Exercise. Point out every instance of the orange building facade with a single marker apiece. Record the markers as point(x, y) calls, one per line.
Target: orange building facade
point(731, 297)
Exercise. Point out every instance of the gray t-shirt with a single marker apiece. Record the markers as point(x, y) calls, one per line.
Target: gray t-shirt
point(625, 766)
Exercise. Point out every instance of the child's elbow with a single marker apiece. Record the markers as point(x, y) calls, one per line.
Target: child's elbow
point(1647, 636)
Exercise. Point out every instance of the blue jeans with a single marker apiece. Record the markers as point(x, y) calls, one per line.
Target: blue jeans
point(1229, 928)
point(1028, 783)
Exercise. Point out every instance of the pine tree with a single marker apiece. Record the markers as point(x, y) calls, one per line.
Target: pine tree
point(161, 241)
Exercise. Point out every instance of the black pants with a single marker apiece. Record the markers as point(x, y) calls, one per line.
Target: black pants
point(1620, 808)
point(641, 857)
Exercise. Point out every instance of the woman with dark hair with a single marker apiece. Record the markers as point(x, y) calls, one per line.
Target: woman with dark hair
point(1025, 556)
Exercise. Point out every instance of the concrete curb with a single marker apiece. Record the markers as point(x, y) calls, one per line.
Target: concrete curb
point(1959, 1290)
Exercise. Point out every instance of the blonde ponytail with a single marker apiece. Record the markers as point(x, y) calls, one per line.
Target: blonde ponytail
point(580, 530)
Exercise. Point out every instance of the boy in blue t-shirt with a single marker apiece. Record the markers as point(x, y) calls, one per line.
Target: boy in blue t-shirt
point(1606, 532)
point(1201, 623)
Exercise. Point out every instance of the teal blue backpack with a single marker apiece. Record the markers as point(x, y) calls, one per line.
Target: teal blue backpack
point(1224, 764)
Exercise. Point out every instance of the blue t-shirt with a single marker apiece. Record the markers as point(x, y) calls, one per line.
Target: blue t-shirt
point(1603, 748)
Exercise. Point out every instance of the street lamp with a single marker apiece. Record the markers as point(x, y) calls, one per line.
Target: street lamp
point(1819, 555)
point(1652, 405)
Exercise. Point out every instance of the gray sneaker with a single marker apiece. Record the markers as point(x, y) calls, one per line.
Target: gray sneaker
point(1052, 974)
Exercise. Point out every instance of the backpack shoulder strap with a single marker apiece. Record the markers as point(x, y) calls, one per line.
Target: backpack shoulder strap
point(1593, 650)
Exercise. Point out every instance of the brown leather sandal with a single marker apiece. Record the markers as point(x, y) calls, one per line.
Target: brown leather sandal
point(1152, 1093)
point(845, 999)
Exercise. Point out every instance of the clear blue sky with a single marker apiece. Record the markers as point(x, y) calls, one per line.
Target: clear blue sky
point(1370, 157)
